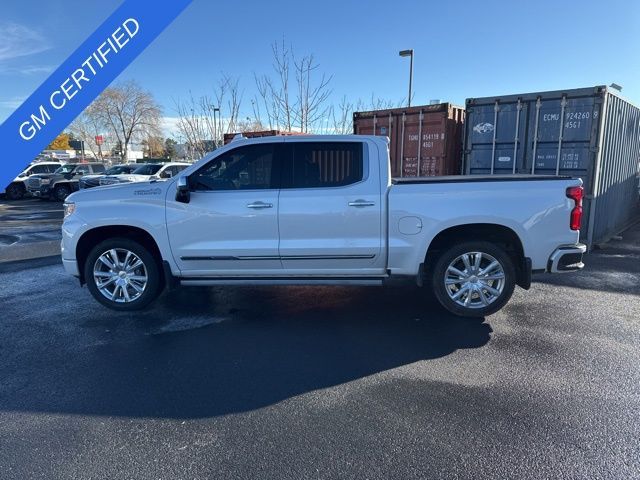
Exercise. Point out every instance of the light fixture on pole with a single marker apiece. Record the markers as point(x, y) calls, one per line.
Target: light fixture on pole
point(409, 53)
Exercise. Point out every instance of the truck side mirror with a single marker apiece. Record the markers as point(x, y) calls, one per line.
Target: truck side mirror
point(183, 192)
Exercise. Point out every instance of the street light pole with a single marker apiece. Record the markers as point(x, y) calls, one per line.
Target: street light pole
point(409, 53)
point(215, 125)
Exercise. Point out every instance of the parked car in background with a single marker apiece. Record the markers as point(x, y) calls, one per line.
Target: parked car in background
point(320, 210)
point(89, 181)
point(59, 184)
point(145, 172)
point(17, 189)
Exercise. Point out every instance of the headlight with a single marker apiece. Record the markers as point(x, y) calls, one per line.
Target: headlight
point(45, 181)
point(69, 208)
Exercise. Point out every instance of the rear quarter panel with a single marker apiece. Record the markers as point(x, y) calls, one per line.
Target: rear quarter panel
point(537, 211)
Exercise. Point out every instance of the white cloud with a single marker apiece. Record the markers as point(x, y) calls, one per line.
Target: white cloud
point(27, 70)
point(13, 103)
point(169, 126)
point(18, 40)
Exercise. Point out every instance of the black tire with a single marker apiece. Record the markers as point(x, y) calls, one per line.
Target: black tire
point(154, 282)
point(15, 191)
point(61, 192)
point(476, 307)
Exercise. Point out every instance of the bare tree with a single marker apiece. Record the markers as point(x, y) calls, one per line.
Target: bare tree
point(312, 95)
point(192, 125)
point(86, 127)
point(203, 121)
point(249, 125)
point(130, 112)
point(229, 91)
point(341, 117)
point(300, 106)
point(154, 146)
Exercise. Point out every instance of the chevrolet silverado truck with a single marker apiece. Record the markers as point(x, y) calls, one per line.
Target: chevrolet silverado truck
point(321, 210)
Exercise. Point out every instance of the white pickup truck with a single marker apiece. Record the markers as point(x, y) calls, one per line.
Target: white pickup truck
point(320, 210)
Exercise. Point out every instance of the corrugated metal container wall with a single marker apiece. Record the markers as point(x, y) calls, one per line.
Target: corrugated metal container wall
point(589, 133)
point(615, 182)
point(424, 140)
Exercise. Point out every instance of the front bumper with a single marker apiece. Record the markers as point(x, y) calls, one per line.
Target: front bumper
point(40, 192)
point(71, 267)
point(567, 259)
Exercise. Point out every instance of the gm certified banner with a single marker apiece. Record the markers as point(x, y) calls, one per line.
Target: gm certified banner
point(80, 79)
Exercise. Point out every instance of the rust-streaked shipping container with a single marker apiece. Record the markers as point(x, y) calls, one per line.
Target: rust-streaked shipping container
point(425, 140)
point(262, 133)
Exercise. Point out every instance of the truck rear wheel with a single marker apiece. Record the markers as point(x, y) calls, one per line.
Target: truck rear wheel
point(474, 279)
point(122, 274)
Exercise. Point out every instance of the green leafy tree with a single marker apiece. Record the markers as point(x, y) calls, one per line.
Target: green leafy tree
point(170, 150)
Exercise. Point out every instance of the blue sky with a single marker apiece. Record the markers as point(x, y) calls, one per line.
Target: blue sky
point(462, 49)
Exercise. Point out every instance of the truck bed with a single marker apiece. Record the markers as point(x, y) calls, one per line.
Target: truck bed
point(476, 179)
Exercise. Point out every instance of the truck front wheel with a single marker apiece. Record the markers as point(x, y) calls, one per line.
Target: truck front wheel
point(474, 279)
point(122, 274)
point(15, 191)
point(61, 192)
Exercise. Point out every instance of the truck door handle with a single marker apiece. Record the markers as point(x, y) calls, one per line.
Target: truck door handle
point(361, 203)
point(259, 205)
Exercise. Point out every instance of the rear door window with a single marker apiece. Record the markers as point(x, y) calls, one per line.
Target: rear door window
point(324, 165)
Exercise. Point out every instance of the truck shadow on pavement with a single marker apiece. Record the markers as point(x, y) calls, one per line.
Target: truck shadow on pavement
point(207, 352)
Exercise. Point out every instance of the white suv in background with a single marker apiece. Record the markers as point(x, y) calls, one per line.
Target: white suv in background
point(146, 172)
point(17, 189)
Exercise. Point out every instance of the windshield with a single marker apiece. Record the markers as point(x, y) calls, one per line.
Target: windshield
point(118, 169)
point(65, 169)
point(147, 169)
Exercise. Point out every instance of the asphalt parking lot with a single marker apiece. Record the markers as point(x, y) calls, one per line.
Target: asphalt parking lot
point(29, 228)
point(292, 383)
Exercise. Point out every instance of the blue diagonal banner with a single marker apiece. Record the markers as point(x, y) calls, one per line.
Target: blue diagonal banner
point(80, 79)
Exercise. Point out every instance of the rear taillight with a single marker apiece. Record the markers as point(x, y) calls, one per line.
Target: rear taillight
point(576, 194)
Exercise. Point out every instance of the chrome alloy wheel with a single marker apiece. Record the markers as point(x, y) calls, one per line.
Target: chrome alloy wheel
point(120, 275)
point(474, 280)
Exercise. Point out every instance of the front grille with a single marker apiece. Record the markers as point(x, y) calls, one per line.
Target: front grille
point(89, 182)
point(109, 181)
point(33, 183)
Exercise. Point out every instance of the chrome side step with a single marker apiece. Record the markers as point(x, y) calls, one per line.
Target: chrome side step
point(369, 281)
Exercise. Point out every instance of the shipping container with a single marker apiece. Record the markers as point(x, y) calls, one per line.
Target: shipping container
point(424, 140)
point(263, 133)
point(591, 133)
